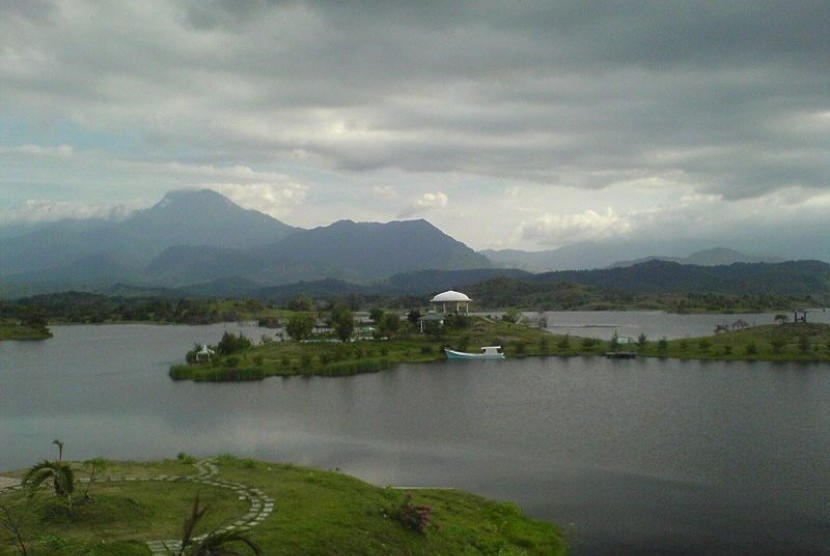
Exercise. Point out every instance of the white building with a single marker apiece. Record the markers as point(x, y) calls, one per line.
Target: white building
point(457, 302)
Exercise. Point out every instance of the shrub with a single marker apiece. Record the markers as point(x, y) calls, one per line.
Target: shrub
point(413, 517)
point(663, 344)
point(751, 349)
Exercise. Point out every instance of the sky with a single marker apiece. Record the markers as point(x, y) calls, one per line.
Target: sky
point(507, 124)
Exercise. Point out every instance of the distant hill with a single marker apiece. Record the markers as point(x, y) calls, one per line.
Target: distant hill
point(433, 281)
point(717, 256)
point(798, 278)
point(570, 257)
point(587, 256)
point(808, 281)
point(493, 287)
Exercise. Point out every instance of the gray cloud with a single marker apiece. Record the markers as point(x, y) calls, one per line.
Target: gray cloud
point(730, 99)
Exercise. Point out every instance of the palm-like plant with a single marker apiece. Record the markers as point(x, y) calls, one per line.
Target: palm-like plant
point(227, 543)
point(63, 479)
point(222, 543)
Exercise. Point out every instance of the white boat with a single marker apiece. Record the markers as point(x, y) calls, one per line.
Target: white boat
point(487, 352)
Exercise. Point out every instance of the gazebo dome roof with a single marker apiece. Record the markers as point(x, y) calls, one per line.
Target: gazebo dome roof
point(450, 296)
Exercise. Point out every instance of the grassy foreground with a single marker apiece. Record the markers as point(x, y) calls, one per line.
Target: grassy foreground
point(800, 342)
point(315, 512)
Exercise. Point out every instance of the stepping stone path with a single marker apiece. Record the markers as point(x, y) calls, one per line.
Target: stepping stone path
point(262, 505)
point(8, 482)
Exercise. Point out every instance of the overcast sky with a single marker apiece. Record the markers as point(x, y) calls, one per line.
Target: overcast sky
point(511, 123)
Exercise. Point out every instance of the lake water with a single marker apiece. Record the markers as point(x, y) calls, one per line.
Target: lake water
point(630, 456)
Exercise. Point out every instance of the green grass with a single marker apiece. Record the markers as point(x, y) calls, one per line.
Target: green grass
point(316, 512)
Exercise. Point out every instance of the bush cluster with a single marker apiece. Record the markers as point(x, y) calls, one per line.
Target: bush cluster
point(415, 517)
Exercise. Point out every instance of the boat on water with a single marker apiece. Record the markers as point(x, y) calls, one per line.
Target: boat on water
point(487, 352)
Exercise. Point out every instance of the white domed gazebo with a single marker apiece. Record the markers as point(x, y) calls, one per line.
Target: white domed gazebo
point(460, 300)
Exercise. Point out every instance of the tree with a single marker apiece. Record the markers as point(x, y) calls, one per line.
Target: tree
point(231, 343)
point(342, 320)
point(376, 315)
point(301, 304)
point(34, 318)
point(13, 519)
point(299, 326)
point(94, 466)
point(389, 324)
point(413, 316)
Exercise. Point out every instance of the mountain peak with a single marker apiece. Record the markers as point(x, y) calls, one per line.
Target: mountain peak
point(188, 197)
point(203, 217)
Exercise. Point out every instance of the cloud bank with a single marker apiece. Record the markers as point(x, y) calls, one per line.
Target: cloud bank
point(615, 119)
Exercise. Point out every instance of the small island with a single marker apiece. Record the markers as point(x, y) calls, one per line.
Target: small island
point(179, 507)
point(338, 345)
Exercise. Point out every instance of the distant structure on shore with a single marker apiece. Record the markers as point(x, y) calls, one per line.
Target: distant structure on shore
point(458, 302)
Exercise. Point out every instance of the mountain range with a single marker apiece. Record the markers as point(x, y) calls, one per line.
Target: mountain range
point(197, 242)
point(195, 237)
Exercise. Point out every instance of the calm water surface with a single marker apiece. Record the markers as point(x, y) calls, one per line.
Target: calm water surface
point(631, 457)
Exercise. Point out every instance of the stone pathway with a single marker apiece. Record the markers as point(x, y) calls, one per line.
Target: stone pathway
point(262, 505)
point(8, 482)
